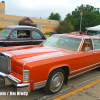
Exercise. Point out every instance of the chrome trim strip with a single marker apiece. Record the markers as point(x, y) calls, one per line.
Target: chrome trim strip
point(14, 79)
point(39, 84)
point(82, 72)
point(84, 68)
point(23, 85)
point(3, 74)
point(24, 41)
point(6, 54)
point(1, 41)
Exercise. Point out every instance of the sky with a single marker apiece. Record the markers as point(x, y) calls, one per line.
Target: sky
point(43, 8)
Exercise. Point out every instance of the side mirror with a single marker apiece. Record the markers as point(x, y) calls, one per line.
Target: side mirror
point(87, 49)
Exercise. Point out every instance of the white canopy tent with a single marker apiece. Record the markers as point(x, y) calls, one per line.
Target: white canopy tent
point(94, 28)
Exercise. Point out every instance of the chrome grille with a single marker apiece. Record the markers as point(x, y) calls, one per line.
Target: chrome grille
point(5, 63)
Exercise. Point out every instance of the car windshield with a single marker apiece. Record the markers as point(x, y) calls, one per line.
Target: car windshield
point(5, 33)
point(69, 43)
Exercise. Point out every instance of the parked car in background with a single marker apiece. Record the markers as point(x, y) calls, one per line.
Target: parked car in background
point(50, 64)
point(21, 35)
point(78, 32)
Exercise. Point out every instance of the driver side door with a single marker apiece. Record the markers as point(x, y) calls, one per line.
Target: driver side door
point(86, 58)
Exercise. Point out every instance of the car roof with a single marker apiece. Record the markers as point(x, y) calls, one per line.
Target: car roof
point(79, 36)
point(21, 27)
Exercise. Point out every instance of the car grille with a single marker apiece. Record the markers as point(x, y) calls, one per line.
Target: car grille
point(5, 63)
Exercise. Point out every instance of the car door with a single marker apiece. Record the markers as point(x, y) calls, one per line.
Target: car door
point(97, 50)
point(20, 37)
point(37, 37)
point(86, 58)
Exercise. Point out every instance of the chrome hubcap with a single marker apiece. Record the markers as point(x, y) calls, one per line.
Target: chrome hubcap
point(56, 81)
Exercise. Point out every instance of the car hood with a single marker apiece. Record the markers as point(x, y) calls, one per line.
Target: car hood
point(40, 52)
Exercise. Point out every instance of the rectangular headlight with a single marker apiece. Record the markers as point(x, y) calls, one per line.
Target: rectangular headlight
point(25, 75)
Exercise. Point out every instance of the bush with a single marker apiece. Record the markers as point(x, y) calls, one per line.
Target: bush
point(47, 33)
point(1, 28)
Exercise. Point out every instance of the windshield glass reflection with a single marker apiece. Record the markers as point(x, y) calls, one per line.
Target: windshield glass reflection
point(69, 43)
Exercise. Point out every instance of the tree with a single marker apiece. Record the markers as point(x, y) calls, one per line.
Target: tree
point(64, 27)
point(90, 17)
point(55, 16)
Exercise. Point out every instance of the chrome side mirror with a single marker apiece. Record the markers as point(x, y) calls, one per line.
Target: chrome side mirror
point(87, 49)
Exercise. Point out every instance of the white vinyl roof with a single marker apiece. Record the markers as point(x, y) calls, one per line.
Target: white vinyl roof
point(94, 28)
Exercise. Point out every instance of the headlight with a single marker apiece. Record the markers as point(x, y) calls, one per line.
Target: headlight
point(25, 75)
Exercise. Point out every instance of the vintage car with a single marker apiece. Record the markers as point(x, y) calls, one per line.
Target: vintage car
point(21, 35)
point(50, 64)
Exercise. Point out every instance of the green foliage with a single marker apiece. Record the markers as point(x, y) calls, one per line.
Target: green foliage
point(47, 33)
point(1, 28)
point(55, 16)
point(64, 27)
point(90, 17)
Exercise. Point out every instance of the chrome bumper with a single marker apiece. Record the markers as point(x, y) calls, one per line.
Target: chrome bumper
point(9, 80)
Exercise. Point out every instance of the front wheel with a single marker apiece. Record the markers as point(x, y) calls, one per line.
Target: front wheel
point(55, 81)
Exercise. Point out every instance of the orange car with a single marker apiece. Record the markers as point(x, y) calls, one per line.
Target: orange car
point(50, 64)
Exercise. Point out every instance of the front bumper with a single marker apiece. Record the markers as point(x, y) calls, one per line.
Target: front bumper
point(11, 80)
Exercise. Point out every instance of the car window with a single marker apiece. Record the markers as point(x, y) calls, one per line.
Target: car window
point(36, 35)
point(20, 34)
point(5, 33)
point(87, 43)
point(96, 43)
point(14, 34)
point(64, 42)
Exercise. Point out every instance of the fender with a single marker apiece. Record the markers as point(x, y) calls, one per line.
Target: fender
point(55, 67)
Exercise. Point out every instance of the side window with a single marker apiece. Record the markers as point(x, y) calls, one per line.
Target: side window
point(14, 34)
point(96, 43)
point(21, 34)
point(87, 43)
point(36, 35)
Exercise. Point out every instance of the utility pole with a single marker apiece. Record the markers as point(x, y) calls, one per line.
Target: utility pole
point(81, 20)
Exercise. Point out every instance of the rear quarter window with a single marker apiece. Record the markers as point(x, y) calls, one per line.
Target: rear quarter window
point(96, 43)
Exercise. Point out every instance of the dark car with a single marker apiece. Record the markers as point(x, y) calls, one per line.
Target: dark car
point(21, 35)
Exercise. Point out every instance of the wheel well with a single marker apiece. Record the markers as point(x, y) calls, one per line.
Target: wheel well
point(66, 70)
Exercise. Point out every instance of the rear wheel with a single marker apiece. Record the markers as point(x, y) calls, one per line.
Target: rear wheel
point(55, 81)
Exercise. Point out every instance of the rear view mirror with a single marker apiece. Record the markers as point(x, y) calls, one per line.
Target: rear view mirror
point(87, 49)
